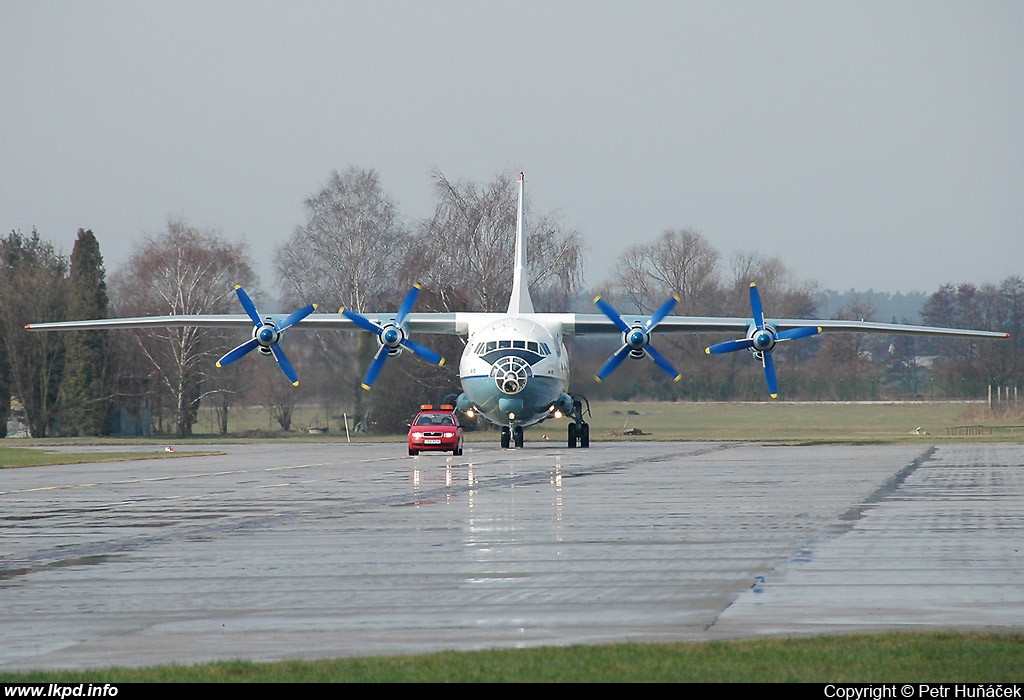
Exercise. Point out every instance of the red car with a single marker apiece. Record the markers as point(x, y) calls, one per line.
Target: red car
point(435, 429)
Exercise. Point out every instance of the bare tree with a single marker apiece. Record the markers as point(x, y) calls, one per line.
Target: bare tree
point(783, 296)
point(681, 262)
point(183, 270)
point(465, 253)
point(348, 251)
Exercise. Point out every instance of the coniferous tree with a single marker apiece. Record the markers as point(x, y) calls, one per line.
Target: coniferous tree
point(32, 290)
point(84, 394)
point(5, 388)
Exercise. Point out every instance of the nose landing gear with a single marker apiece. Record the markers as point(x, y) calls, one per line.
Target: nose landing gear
point(511, 436)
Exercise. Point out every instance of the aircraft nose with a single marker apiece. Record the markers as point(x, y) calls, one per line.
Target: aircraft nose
point(510, 374)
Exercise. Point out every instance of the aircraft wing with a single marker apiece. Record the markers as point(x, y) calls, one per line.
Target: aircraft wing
point(571, 324)
point(439, 323)
point(143, 322)
point(587, 324)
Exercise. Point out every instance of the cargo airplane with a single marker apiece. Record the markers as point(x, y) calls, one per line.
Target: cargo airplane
point(515, 368)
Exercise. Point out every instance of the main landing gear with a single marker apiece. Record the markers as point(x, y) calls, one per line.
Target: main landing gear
point(579, 430)
point(511, 436)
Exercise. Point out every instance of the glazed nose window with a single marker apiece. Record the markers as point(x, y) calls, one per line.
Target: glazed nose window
point(511, 374)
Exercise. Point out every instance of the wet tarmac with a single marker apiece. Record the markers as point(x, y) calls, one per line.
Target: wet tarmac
point(280, 551)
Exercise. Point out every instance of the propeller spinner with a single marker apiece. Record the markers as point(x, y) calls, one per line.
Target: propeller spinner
point(392, 337)
point(266, 335)
point(762, 339)
point(636, 340)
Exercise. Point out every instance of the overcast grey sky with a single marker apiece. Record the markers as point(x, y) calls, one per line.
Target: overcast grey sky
point(870, 145)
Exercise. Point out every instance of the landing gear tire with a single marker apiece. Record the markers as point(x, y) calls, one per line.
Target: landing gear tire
point(579, 429)
point(506, 438)
point(517, 436)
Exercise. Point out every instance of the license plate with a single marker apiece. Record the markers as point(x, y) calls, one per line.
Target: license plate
point(431, 442)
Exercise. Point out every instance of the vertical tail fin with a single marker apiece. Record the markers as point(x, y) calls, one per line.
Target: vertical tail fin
point(520, 303)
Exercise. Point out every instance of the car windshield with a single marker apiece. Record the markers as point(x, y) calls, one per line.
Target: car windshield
point(429, 419)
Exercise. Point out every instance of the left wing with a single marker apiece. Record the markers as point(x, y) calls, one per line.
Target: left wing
point(588, 324)
point(760, 334)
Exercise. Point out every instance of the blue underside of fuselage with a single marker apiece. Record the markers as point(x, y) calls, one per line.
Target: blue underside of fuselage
point(538, 395)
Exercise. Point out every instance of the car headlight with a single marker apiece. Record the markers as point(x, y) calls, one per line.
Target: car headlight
point(417, 436)
point(448, 435)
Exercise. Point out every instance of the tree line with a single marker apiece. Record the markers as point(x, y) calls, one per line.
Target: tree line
point(355, 250)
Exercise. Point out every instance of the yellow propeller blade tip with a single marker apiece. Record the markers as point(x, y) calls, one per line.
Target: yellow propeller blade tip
point(341, 310)
point(365, 387)
point(753, 284)
point(295, 383)
point(678, 377)
point(238, 286)
point(707, 351)
point(597, 379)
point(441, 363)
point(315, 307)
point(218, 364)
point(596, 298)
point(775, 396)
point(417, 286)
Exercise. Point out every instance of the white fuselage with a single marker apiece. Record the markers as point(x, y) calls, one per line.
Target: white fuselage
point(514, 370)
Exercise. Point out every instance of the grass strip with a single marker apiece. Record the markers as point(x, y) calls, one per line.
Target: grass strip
point(932, 657)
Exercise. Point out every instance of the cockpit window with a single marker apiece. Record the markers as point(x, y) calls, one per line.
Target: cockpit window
point(533, 346)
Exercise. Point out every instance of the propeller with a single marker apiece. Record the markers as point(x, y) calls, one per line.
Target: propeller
point(636, 340)
point(392, 337)
point(266, 335)
point(760, 340)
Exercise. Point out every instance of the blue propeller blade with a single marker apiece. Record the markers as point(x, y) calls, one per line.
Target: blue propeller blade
point(729, 346)
point(265, 335)
point(762, 341)
point(769, 374)
point(286, 366)
point(612, 314)
point(663, 363)
point(637, 339)
point(391, 337)
point(802, 332)
point(662, 312)
point(249, 307)
point(295, 317)
point(423, 352)
point(375, 367)
point(613, 362)
point(239, 352)
point(406, 307)
point(361, 321)
point(755, 306)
